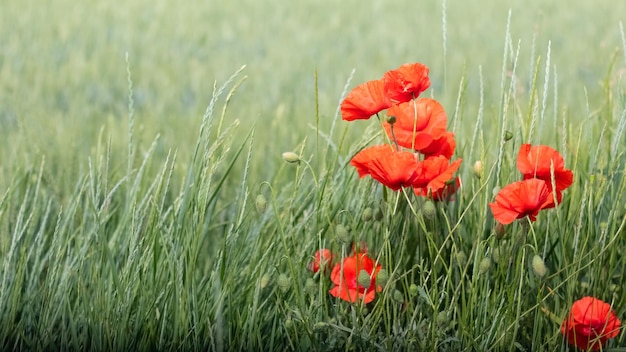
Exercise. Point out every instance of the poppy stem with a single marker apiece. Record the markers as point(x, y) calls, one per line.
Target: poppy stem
point(395, 141)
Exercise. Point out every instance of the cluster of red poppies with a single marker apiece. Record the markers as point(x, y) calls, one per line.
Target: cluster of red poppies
point(544, 178)
point(420, 148)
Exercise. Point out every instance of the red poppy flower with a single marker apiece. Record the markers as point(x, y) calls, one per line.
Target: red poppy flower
point(535, 162)
point(349, 289)
point(434, 173)
point(406, 82)
point(443, 145)
point(520, 199)
point(364, 101)
point(391, 168)
point(323, 259)
point(443, 194)
point(590, 323)
point(418, 123)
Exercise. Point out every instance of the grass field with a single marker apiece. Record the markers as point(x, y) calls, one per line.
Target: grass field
point(136, 150)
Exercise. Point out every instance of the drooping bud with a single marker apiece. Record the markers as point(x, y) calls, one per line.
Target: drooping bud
point(382, 278)
point(461, 259)
point(478, 169)
point(539, 266)
point(391, 120)
point(484, 265)
point(500, 231)
point(442, 319)
point(413, 290)
point(398, 296)
point(378, 214)
point(265, 280)
point(364, 279)
point(367, 214)
point(261, 204)
point(342, 234)
point(428, 210)
point(291, 157)
point(283, 283)
point(310, 286)
point(495, 255)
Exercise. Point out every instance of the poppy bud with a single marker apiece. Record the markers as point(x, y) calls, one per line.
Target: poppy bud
point(364, 279)
point(320, 326)
point(500, 231)
point(378, 215)
point(428, 210)
point(398, 296)
point(288, 323)
point(261, 204)
point(291, 157)
point(382, 278)
point(508, 135)
point(265, 280)
point(461, 259)
point(310, 286)
point(484, 265)
point(367, 214)
point(342, 234)
point(478, 169)
point(283, 283)
point(539, 266)
point(413, 290)
point(391, 120)
point(442, 319)
point(495, 255)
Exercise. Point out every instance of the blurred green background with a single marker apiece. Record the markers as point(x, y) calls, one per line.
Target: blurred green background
point(63, 71)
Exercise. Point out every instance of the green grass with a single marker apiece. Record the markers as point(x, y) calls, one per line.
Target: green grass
point(133, 149)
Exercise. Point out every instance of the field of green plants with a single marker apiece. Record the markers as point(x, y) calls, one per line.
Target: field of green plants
point(169, 171)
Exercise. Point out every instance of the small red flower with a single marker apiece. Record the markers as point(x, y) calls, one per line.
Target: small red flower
point(348, 271)
point(391, 168)
point(323, 259)
point(536, 162)
point(406, 82)
point(590, 323)
point(418, 123)
point(520, 199)
point(364, 101)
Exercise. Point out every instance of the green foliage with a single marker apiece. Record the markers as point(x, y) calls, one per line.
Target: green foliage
point(145, 207)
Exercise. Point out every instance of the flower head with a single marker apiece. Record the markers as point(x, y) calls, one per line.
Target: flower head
point(520, 199)
point(387, 166)
point(364, 101)
point(538, 161)
point(406, 82)
point(590, 323)
point(345, 276)
point(323, 259)
point(418, 123)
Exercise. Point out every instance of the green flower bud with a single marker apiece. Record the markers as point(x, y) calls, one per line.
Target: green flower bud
point(283, 283)
point(484, 265)
point(495, 255)
point(442, 319)
point(288, 323)
point(378, 214)
point(342, 234)
point(320, 326)
point(364, 279)
point(413, 290)
point(261, 204)
point(367, 214)
point(478, 169)
point(291, 157)
point(382, 278)
point(398, 296)
point(428, 210)
point(461, 259)
point(265, 280)
point(310, 286)
point(500, 231)
point(508, 135)
point(391, 120)
point(539, 266)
